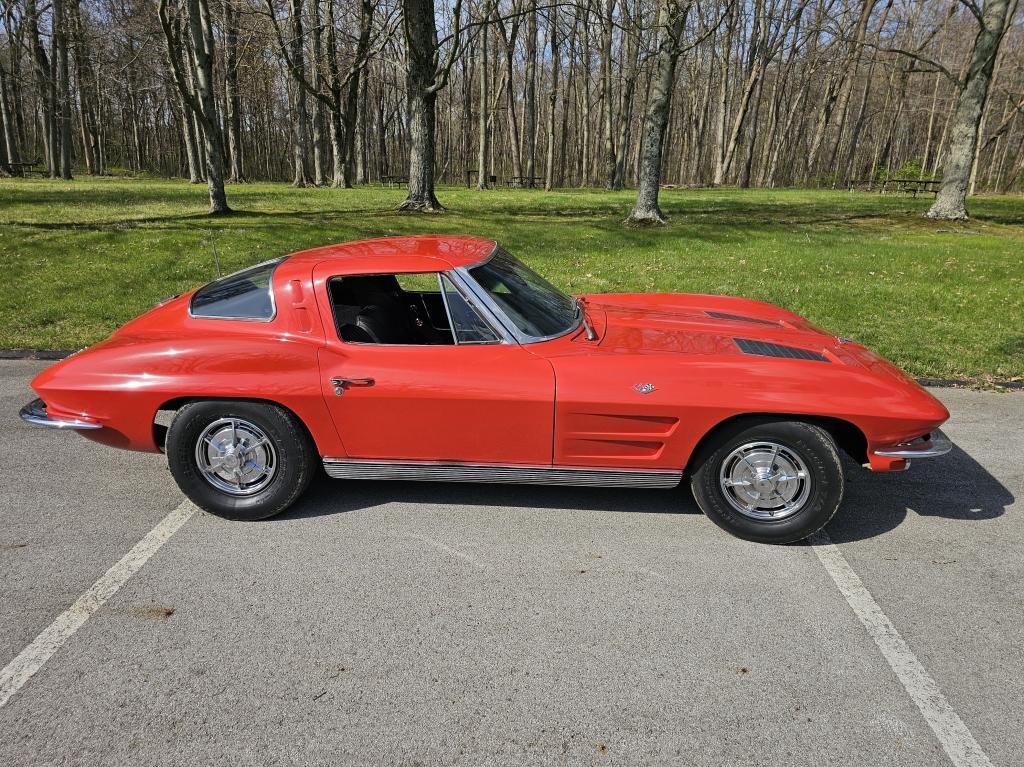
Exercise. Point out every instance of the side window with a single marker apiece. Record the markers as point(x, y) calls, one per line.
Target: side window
point(469, 326)
point(244, 295)
point(390, 309)
point(420, 282)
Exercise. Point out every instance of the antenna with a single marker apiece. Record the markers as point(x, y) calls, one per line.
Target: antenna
point(216, 258)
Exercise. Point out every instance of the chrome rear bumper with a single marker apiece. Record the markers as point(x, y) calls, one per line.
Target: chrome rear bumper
point(35, 413)
point(929, 446)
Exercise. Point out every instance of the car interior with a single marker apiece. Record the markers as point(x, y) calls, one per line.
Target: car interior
point(377, 309)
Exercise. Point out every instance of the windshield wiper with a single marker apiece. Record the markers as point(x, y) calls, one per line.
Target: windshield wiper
point(591, 334)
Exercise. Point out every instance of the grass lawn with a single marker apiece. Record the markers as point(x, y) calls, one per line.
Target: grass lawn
point(80, 258)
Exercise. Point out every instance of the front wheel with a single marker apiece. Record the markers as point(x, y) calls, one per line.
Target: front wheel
point(770, 482)
point(239, 460)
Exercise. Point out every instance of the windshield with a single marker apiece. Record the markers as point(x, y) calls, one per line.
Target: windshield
point(533, 304)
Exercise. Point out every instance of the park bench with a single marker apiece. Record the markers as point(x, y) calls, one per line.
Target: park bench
point(910, 186)
point(393, 180)
point(520, 182)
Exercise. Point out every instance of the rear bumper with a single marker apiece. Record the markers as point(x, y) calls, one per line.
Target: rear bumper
point(35, 413)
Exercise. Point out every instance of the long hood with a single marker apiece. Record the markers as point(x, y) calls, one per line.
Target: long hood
point(729, 331)
point(699, 324)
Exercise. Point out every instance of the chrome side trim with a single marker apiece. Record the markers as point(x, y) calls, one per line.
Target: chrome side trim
point(935, 445)
point(35, 413)
point(430, 471)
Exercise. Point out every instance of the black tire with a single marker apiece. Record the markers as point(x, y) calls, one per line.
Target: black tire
point(811, 444)
point(294, 458)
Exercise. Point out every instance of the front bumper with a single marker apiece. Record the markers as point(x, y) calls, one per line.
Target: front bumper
point(897, 457)
point(35, 413)
point(929, 446)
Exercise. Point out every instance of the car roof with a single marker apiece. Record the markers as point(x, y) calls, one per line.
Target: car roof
point(455, 250)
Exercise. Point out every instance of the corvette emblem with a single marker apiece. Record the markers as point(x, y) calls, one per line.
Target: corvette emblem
point(644, 388)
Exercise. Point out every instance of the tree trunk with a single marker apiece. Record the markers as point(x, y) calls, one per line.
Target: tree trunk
point(201, 99)
point(530, 96)
point(8, 129)
point(232, 96)
point(44, 86)
point(607, 27)
point(631, 30)
point(63, 91)
point(421, 104)
point(300, 118)
point(671, 19)
point(423, 80)
point(723, 97)
point(362, 120)
point(84, 81)
point(950, 203)
point(549, 164)
point(482, 175)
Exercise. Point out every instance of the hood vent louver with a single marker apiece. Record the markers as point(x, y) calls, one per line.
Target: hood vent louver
point(739, 318)
point(765, 349)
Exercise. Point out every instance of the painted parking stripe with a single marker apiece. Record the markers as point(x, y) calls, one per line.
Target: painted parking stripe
point(32, 658)
point(961, 747)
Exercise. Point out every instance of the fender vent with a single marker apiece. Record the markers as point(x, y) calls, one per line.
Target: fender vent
point(765, 349)
point(739, 318)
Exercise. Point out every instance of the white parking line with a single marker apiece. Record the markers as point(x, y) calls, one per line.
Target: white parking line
point(53, 637)
point(961, 747)
point(454, 552)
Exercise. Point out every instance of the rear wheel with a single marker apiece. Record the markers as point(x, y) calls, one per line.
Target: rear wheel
point(239, 460)
point(771, 482)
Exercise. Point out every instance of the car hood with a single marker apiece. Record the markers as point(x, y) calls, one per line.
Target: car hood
point(695, 324)
point(724, 327)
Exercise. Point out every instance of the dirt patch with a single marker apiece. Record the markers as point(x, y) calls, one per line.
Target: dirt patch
point(155, 612)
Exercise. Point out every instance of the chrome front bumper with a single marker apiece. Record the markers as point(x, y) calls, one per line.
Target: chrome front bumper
point(35, 413)
point(930, 446)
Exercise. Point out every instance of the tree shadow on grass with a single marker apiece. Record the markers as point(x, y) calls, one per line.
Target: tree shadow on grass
point(955, 487)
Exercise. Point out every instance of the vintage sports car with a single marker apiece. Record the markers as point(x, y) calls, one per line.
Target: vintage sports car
point(445, 358)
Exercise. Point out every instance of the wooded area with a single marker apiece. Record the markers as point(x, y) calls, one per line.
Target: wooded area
point(531, 93)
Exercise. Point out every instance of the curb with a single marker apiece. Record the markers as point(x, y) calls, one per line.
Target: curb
point(35, 354)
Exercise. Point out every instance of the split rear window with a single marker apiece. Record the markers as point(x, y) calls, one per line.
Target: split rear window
point(244, 295)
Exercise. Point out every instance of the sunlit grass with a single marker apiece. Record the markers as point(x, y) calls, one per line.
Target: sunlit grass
point(80, 258)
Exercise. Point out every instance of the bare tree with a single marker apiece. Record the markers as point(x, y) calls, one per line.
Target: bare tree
point(200, 97)
point(767, 92)
point(992, 18)
point(426, 74)
point(232, 94)
point(671, 20)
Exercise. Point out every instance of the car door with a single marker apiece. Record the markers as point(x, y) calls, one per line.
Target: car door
point(482, 398)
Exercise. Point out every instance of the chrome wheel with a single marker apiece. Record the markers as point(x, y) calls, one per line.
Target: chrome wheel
point(765, 480)
point(236, 456)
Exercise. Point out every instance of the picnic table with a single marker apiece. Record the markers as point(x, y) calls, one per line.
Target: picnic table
point(519, 182)
point(910, 185)
point(472, 173)
point(394, 180)
point(27, 167)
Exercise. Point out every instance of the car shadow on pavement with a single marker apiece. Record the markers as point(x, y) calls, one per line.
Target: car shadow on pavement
point(955, 487)
point(334, 496)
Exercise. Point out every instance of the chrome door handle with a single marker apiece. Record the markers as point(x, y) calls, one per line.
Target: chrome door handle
point(340, 384)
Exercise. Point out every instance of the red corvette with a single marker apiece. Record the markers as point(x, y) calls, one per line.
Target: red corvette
point(445, 358)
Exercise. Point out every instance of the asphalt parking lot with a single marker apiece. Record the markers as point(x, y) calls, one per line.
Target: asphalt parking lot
point(391, 623)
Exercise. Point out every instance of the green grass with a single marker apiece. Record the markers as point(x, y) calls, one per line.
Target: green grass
point(80, 258)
